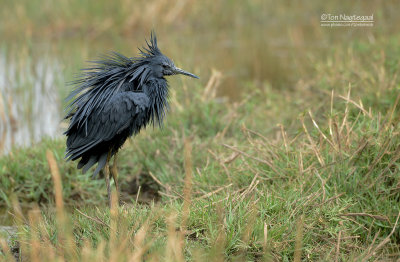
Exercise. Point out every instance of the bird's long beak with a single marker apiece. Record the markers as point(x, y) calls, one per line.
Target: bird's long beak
point(177, 70)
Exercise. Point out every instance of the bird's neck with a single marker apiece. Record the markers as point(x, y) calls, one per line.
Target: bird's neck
point(157, 91)
point(156, 88)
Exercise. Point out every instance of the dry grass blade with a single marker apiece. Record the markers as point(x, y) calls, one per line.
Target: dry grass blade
point(384, 241)
point(140, 247)
point(92, 218)
point(337, 133)
point(213, 192)
point(330, 199)
point(34, 240)
point(389, 166)
point(174, 246)
point(218, 245)
point(389, 122)
point(114, 221)
point(250, 188)
point(383, 150)
point(359, 106)
point(231, 158)
point(377, 217)
point(66, 244)
point(308, 199)
point(338, 247)
point(331, 115)
point(299, 239)
point(168, 188)
point(346, 111)
point(266, 247)
point(210, 90)
point(55, 174)
point(249, 226)
point(363, 143)
point(319, 130)
point(187, 190)
point(268, 163)
point(323, 182)
point(300, 163)
point(284, 137)
point(222, 163)
point(312, 143)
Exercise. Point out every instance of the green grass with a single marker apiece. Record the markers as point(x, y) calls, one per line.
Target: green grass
point(338, 179)
point(302, 165)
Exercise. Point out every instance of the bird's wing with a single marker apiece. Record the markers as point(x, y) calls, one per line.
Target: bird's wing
point(97, 84)
point(120, 112)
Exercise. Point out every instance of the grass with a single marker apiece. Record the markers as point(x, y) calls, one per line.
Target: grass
point(330, 188)
point(306, 168)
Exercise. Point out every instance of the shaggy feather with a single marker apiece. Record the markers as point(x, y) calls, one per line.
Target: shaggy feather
point(114, 99)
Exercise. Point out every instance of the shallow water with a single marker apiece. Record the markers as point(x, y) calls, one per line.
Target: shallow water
point(29, 101)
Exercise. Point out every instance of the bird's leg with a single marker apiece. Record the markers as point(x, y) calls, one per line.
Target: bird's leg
point(114, 173)
point(107, 177)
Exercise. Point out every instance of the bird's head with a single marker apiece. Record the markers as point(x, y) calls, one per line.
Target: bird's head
point(160, 64)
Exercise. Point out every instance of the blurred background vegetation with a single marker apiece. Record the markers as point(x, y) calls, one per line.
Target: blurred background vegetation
point(269, 72)
point(246, 40)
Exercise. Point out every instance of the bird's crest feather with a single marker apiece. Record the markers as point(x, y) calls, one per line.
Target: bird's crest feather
point(152, 48)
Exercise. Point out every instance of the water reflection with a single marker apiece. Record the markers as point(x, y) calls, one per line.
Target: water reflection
point(29, 101)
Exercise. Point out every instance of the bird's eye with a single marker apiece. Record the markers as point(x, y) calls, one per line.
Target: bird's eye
point(165, 65)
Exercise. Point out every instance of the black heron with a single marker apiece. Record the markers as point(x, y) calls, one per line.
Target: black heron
point(113, 100)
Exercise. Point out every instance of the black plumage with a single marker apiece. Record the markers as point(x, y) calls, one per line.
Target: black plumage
point(113, 100)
